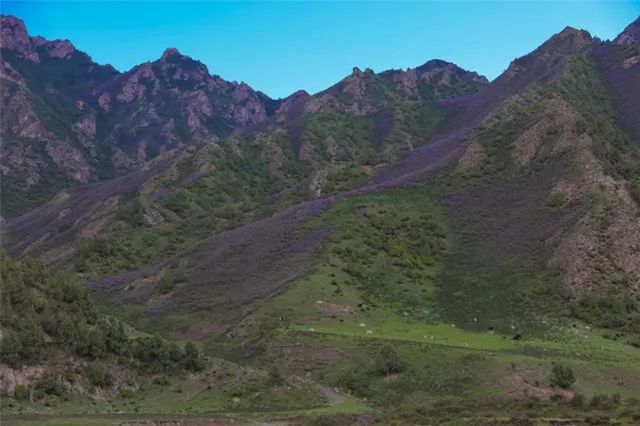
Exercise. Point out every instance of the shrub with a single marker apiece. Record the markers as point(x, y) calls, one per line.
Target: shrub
point(577, 401)
point(161, 381)
point(165, 284)
point(389, 362)
point(50, 385)
point(354, 381)
point(20, 392)
point(275, 378)
point(127, 393)
point(562, 376)
point(97, 374)
point(191, 358)
point(601, 402)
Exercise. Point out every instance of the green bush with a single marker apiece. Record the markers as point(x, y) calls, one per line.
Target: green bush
point(389, 362)
point(20, 392)
point(97, 374)
point(192, 360)
point(355, 381)
point(562, 376)
point(275, 377)
point(127, 393)
point(161, 381)
point(165, 284)
point(50, 385)
point(601, 402)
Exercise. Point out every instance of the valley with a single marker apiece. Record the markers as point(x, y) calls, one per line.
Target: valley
point(404, 247)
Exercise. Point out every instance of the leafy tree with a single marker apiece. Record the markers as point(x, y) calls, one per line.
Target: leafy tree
point(31, 336)
point(115, 336)
point(36, 305)
point(275, 377)
point(389, 362)
point(192, 359)
point(90, 342)
point(165, 283)
point(11, 349)
point(562, 376)
point(67, 330)
point(50, 385)
point(97, 374)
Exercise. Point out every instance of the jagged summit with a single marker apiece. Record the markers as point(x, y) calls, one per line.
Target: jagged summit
point(169, 52)
point(630, 35)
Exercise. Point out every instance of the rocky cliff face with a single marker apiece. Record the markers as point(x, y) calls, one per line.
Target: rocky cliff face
point(172, 101)
point(68, 120)
point(630, 35)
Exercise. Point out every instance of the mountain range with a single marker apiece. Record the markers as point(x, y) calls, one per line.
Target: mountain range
point(473, 224)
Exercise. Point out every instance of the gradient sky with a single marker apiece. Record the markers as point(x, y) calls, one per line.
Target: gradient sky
point(280, 47)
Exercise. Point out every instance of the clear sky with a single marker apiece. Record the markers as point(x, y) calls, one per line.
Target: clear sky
point(280, 47)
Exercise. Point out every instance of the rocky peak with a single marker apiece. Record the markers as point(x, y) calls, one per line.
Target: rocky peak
point(432, 64)
point(430, 68)
point(569, 40)
point(62, 49)
point(548, 59)
point(14, 36)
point(14, 33)
point(296, 98)
point(174, 66)
point(170, 52)
point(630, 35)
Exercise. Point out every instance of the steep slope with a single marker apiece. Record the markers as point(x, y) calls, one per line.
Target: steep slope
point(313, 146)
point(60, 353)
point(49, 323)
point(630, 35)
point(521, 144)
point(535, 179)
point(67, 120)
point(440, 151)
point(498, 256)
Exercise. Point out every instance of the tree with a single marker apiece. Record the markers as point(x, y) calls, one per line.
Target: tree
point(191, 358)
point(116, 340)
point(562, 376)
point(97, 374)
point(50, 385)
point(165, 283)
point(389, 362)
point(275, 378)
point(31, 338)
point(67, 330)
point(11, 349)
point(90, 341)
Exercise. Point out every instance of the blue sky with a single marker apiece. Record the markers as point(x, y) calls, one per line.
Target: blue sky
point(280, 47)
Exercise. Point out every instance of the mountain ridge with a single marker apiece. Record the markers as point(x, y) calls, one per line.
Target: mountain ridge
point(409, 241)
point(114, 121)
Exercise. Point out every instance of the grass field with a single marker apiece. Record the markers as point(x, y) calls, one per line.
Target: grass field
point(342, 314)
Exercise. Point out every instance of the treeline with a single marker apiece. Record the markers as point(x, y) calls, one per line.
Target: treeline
point(44, 312)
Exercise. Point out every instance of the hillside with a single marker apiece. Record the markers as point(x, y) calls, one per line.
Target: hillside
point(69, 120)
point(407, 244)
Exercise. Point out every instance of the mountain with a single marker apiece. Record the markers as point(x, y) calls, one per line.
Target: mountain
point(69, 120)
point(298, 148)
point(416, 239)
point(631, 35)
